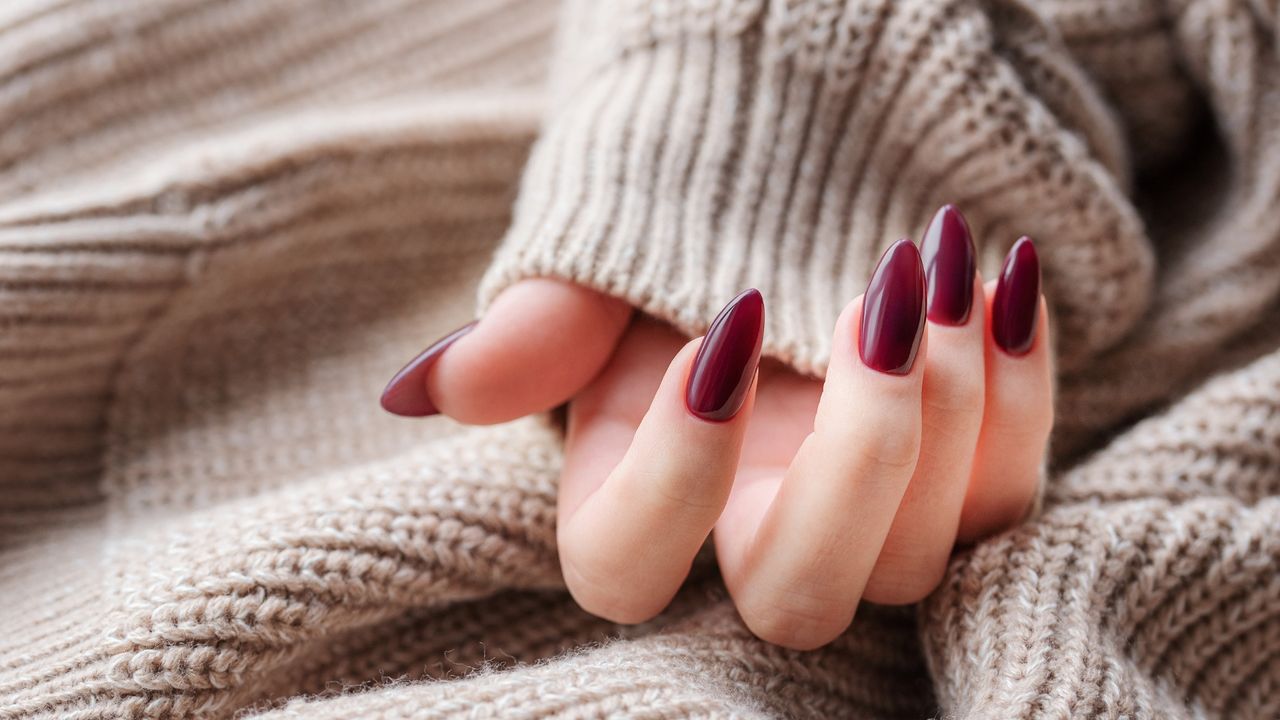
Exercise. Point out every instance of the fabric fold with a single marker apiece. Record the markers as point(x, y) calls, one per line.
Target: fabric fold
point(698, 149)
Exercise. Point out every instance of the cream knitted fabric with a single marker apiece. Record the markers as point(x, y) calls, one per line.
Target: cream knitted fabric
point(224, 224)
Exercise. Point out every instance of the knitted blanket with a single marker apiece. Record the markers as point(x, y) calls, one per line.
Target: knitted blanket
point(224, 224)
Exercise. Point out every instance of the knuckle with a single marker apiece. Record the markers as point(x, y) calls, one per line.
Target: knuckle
point(1030, 423)
point(890, 446)
point(960, 396)
point(905, 580)
point(797, 617)
point(601, 588)
point(660, 488)
point(687, 493)
point(1021, 410)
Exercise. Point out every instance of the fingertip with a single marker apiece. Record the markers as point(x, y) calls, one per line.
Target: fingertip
point(893, 311)
point(406, 393)
point(1015, 306)
point(728, 356)
point(798, 623)
point(540, 342)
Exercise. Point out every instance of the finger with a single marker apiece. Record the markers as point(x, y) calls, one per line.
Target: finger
point(627, 544)
point(915, 553)
point(797, 579)
point(539, 343)
point(603, 418)
point(1018, 412)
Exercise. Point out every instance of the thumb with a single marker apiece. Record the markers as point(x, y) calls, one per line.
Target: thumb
point(540, 342)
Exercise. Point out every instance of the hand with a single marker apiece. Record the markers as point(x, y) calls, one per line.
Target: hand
point(819, 494)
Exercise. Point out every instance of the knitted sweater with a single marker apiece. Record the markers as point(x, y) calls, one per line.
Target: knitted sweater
point(223, 224)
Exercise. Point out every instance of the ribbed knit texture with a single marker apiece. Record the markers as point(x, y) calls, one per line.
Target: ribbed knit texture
point(223, 225)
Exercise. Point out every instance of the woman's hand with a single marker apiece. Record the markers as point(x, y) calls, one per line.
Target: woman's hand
point(819, 494)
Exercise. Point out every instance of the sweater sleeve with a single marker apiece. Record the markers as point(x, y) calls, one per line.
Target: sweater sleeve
point(697, 147)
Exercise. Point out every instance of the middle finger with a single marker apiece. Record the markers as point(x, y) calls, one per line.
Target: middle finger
point(796, 564)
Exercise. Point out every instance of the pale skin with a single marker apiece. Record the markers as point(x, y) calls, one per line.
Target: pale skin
point(820, 494)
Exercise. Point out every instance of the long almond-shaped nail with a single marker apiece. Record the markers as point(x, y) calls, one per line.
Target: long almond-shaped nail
point(406, 394)
point(893, 311)
point(727, 359)
point(1016, 306)
point(949, 267)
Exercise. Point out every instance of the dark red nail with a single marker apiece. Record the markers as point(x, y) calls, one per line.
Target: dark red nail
point(406, 394)
point(1017, 302)
point(949, 266)
point(727, 360)
point(893, 311)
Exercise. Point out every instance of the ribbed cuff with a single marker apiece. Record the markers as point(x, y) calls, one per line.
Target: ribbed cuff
point(695, 152)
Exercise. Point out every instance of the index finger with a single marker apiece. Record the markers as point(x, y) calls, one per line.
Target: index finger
point(627, 543)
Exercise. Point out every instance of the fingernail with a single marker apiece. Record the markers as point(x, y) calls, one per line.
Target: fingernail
point(949, 267)
point(726, 362)
point(893, 311)
point(406, 394)
point(1017, 302)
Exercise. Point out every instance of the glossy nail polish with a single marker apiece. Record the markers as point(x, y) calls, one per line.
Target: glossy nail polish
point(949, 267)
point(406, 394)
point(1016, 306)
point(893, 311)
point(726, 362)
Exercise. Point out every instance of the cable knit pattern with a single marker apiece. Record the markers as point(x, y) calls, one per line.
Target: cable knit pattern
point(224, 224)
